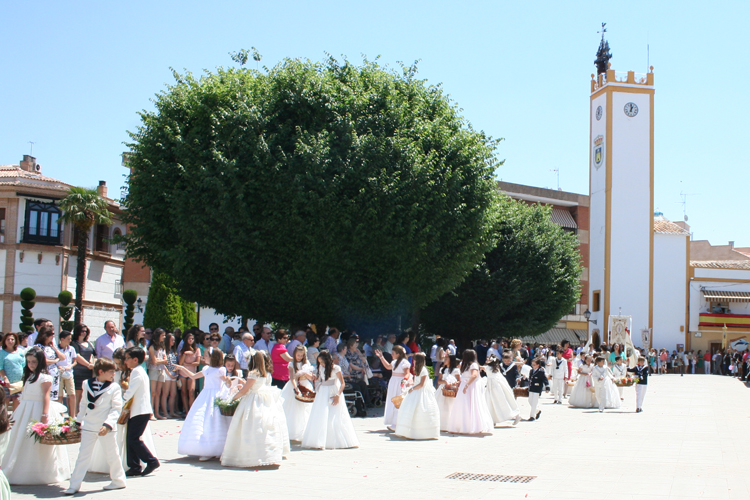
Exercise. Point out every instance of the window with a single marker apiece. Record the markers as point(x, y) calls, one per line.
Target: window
point(595, 300)
point(101, 234)
point(41, 223)
point(117, 233)
point(2, 225)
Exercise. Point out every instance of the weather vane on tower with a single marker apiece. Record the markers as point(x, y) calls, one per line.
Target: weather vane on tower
point(603, 55)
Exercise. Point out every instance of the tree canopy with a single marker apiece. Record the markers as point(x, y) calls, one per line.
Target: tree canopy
point(522, 287)
point(313, 192)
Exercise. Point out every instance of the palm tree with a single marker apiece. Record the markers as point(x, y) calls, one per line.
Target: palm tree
point(83, 208)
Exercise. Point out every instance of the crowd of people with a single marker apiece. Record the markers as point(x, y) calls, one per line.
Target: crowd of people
point(285, 386)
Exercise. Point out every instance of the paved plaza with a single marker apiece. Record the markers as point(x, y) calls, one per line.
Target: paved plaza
point(691, 441)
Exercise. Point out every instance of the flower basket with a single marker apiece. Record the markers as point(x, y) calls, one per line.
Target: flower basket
point(397, 401)
point(226, 407)
point(625, 382)
point(305, 395)
point(521, 392)
point(592, 388)
point(449, 391)
point(59, 432)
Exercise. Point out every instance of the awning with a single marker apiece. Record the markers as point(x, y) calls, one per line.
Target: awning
point(562, 217)
point(725, 296)
point(557, 335)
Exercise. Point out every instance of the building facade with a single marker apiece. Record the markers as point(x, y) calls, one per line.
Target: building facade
point(38, 251)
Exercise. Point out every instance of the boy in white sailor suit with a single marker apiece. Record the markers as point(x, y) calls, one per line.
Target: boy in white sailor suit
point(558, 371)
point(101, 403)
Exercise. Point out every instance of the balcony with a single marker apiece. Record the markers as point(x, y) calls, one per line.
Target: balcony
point(34, 235)
point(719, 320)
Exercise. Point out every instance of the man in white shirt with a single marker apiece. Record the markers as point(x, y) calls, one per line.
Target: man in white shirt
point(299, 339)
point(226, 340)
point(140, 412)
point(265, 343)
point(389, 343)
point(451, 347)
point(494, 351)
point(241, 352)
point(38, 325)
point(332, 341)
point(108, 343)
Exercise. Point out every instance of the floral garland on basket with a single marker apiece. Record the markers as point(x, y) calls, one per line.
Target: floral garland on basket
point(63, 431)
point(226, 406)
point(626, 381)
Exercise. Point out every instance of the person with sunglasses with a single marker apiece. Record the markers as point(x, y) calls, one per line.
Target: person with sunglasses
point(281, 359)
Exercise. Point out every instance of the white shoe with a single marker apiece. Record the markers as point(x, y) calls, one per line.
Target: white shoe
point(518, 419)
point(114, 486)
point(70, 491)
point(204, 459)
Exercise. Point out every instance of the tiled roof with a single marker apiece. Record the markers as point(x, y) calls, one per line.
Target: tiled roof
point(721, 264)
point(13, 175)
point(557, 335)
point(663, 226)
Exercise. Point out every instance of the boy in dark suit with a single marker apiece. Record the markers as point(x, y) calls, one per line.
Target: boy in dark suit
point(537, 382)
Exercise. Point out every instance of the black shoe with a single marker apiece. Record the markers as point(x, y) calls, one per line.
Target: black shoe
point(537, 414)
point(151, 468)
point(531, 419)
point(133, 472)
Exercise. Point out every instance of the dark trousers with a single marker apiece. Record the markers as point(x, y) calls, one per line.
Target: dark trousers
point(137, 451)
point(278, 383)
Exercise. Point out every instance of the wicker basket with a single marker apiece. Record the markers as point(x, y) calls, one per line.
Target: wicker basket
point(622, 383)
point(305, 395)
point(592, 388)
point(71, 437)
point(397, 401)
point(521, 392)
point(228, 411)
point(449, 392)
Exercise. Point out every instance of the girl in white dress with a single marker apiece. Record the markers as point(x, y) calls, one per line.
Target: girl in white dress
point(4, 440)
point(449, 375)
point(258, 434)
point(581, 396)
point(399, 367)
point(419, 416)
point(500, 399)
point(606, 390)
point(205, 429)
point(470, 414)
point(98, 457)
point(297, 413)
point(330, 426)
point(25, 461)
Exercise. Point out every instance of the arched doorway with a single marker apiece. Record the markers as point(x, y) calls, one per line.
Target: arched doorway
point(595, 339)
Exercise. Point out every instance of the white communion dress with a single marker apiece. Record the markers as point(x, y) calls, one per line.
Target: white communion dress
point(330, 426)
point(4, 486)
point(205, 429)
point(297, 413)
point(500, 399)
point(258, 433)
point(99, 458)
point(470, 414)
point(445, 404)
point(606, 394)
point(581, 396)
point(28, 462)
point(419, 416)
point(394, 389)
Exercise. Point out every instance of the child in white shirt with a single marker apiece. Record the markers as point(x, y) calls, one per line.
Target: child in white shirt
point(65, 367)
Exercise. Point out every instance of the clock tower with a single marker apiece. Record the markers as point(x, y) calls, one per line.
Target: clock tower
point(621, 186)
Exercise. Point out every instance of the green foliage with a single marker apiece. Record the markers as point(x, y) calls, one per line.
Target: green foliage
point(129, 296)
point(523, 286)
point(189, 314)
point(27, 303)
point(164, 308)
point(315, 192)
point(65, 297)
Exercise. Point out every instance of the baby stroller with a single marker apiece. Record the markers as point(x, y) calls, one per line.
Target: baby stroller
point(378, 389)
point(355, 402)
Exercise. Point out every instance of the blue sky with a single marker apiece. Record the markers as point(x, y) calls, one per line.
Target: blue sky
point(74, 75)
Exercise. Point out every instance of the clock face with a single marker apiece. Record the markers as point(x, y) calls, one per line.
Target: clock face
point(599, 113)
point(631, 109)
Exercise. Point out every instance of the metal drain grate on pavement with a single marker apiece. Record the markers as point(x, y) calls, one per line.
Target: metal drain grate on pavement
point(462, 476)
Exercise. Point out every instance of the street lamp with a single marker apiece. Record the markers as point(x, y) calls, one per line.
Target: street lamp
point(586, 315)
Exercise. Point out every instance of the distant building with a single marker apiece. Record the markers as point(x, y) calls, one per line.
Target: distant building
point(38, 251)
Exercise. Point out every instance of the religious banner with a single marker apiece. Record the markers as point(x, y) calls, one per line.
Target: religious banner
point(618, 332)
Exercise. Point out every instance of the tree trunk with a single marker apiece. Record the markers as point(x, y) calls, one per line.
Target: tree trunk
point(80, 274)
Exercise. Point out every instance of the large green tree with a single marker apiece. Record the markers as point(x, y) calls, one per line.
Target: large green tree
point(325, 192)
point(522, 287)
point(83, 208)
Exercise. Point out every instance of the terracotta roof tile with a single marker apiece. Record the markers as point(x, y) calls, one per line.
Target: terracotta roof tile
point(663, 226)
point(721, 264)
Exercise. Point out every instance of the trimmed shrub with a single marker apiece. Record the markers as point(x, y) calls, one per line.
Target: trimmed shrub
point(27, 303)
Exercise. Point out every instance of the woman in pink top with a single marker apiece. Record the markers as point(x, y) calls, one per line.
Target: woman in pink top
point(281, 359)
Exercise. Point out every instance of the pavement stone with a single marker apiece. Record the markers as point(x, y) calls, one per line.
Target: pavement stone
point(690, 442)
